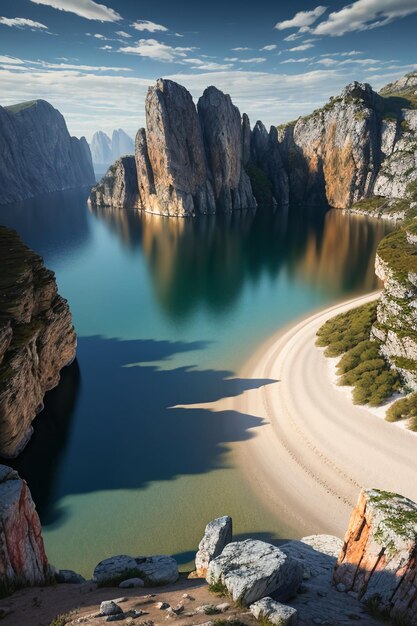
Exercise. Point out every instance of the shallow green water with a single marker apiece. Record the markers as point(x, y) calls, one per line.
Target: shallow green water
point(166, 312)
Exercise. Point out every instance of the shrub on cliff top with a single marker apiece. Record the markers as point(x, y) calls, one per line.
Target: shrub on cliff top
point(347, 330)
point(405, 408)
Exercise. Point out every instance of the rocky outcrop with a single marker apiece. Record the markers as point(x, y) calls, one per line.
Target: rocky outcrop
point(23, 560)
point(187, 162)
point(37, 339)
point(153, 570)
point(217, 535)
point(222, 132)
point(333, 155)
point(396, 324)
point(266, 155)
point(119, 187)
point(378, 558)
point(250, 570)
point(104, 151)
point(38, 155)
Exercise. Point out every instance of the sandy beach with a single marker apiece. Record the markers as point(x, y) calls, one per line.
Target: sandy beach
point(315, 449)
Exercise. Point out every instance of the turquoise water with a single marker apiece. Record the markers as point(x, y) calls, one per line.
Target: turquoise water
point(166, 312)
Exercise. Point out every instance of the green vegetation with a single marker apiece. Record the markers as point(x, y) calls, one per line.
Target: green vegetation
point(15, 108)
point(400, 255)
point(405, 408)
point(261, 185)
point(211, 610)
point(61, 620)
point(361, 365)
point(218, 588)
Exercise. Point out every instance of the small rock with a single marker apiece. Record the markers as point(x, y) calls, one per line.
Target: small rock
point(187, 596)
point(341, 587)
point(223, 607)
point(322, 594)
point(120, 600)
point(178, 609)
point(274, 612)
point(163, 606)
point(131, 582)
point(67, 576)
point(115, 618)
point(108, 607)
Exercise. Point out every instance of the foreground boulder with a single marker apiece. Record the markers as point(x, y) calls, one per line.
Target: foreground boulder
point(378, 558)
point(251, 569)
point(153, 570)
point(273, 612)
point(23, 560)
point(119, 187)
point(37, 153)
point(217, 535)
point(37, 339)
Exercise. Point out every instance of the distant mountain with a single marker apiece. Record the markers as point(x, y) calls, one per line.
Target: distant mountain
point(105, 151)
point(37, 153)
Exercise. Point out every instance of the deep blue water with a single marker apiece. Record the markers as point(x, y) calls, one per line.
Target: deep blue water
point(166, 312)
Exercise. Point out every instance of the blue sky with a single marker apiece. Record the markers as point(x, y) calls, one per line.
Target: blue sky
point(278, 60)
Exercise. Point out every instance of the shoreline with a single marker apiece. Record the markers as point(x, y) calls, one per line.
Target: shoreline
point(315, 449)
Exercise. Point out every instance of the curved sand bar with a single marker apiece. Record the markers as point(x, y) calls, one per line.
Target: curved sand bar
point(315, 448)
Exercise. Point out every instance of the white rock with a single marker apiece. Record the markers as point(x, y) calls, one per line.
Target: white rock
point(154, 570)
point(276, 613)
point(253, 569)
point(217, 535)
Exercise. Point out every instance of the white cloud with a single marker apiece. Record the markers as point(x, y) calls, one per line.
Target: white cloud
point(149, 26)
point(11, 60)
point(122, 33)
point(106, 48)
point(270, 47)
point(327, 62)
point(21, 22)
point(198, 64)
point(240, 49)
point(84, 8)
point(232, 59)
point(302, 18)
point(79, 68)
point(293, 37)
point(365, 15)
point(253, 60)
point(303, 60)
point(153, 49)
point(302, 47)
point(98, 36)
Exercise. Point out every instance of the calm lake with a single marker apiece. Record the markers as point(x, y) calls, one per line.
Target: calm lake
point(166, 312)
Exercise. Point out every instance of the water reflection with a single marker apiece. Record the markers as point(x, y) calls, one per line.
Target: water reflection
point(208, 259)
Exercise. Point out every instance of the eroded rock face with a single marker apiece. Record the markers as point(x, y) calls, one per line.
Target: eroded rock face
point(251, 570)
point(38, 155)
point(222, 132)
point(176, 152)
point(23, 560)
point(37, 339)
point(217, 535)
point(273, 612)
point(333, 154)
point(377, 560)
point(119, 187)
point(266, 155)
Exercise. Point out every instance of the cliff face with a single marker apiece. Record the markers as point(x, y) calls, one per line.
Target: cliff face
point(188, 162)
point(377, 561)
point(37, 339)
point(105, 151)
point(38, 155)
point(23, 560)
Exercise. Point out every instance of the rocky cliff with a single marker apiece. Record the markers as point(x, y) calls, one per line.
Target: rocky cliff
point(37, 339)
point(189, 160)
point(23, 561)
point(105, 151)
point(38, 155)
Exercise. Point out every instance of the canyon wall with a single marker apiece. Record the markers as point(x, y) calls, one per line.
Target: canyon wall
point(38, 155)
point(37, 339)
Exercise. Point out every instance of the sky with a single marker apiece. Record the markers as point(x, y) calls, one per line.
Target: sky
point(278, 60)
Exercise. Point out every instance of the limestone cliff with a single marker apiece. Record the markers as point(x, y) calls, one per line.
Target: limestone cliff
point(23, 561)
point(119, 188)
point(188, 162)
point(37, 339)
point(377, 561)
point(38, 155)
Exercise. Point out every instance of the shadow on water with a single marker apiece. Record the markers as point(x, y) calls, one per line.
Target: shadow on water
point(126, 433)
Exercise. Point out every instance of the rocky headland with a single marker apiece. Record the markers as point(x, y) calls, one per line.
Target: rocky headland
point(38, 154)
point(37, 339)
